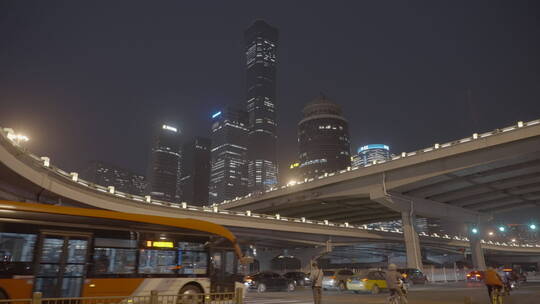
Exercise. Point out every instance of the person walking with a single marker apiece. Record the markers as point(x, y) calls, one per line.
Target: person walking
point(316, 283)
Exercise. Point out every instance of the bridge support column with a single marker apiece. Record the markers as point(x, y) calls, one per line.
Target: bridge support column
point(477, 253)
point(412, 242)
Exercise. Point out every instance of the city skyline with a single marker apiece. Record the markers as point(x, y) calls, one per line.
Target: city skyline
point(306, 68)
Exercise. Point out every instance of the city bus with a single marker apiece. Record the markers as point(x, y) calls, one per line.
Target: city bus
point(65, 251)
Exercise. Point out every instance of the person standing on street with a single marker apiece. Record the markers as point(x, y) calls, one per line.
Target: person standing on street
point(316, 283)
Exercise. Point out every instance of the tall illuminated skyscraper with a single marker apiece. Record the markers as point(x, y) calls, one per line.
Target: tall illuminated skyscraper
point(163, 172)
point(261, 59)
point(228, 173)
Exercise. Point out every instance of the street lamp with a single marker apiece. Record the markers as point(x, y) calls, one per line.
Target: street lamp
point(474, 231)
point(490, 233)
point(17, 138)
point(502, 229)
point(532, 226)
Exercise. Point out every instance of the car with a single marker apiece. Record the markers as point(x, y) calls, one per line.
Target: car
point(266, 281)
point(413, 276)
point(299, 278)
point(475, 276)
point(367, 281)
point(336, 279)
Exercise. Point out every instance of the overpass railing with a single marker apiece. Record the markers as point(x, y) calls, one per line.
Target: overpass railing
point(45, 163)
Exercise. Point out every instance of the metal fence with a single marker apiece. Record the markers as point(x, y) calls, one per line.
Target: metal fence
point(154, 298)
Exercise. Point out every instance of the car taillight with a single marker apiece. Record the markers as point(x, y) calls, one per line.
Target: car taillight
point(349, 280)
point(364, 280)
point(333, 277)
point(477, 275)
point(468, 275)
point(404, 275)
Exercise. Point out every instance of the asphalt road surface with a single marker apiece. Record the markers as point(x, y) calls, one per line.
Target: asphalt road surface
point(451, 293)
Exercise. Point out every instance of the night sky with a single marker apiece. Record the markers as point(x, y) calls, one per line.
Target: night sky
point(87, 80)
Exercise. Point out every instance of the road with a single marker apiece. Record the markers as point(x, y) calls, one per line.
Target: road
point(451, 293)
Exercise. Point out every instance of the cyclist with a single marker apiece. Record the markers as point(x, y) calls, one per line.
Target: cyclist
point(493, 281)
point(393, 281)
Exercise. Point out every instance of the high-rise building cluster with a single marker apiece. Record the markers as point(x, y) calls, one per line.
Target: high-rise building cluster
point(240, 156)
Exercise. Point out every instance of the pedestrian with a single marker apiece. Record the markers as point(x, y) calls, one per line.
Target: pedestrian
point(316, 282)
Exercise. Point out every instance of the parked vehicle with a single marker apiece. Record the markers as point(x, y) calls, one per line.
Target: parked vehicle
point(299, 278)
point(475, 276)
point(265, 281)
point(367, 281)
point(336, 279)
point(413, 276)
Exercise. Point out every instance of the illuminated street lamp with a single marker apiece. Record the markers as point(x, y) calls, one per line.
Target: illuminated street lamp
point(17, 138)
point(502, 229)
point(474, 231)
point(532, 226)
point(490, 233)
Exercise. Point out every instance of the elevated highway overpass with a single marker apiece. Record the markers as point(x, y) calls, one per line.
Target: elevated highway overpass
point(26, 177)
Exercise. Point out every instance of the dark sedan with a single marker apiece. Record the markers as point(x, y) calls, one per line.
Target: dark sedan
point(265, 281)
point(299, 278)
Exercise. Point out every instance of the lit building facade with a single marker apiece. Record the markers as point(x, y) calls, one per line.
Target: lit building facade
point(294, 174)
point(370, 154)
point(106, 174)
point(261, 41)
point(323, 137)
point(164, 169)
point(195, 171)
point(229, 164)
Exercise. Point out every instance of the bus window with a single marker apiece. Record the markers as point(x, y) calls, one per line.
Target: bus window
point(157, 261)
point(193, 262)
point(114, 260)
point(16, 253)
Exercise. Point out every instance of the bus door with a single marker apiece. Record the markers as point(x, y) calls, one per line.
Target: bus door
point(61, 264)
point(224, 271)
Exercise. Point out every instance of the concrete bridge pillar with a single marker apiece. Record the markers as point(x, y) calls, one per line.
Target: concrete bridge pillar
point(412, 241)
point(477, 253)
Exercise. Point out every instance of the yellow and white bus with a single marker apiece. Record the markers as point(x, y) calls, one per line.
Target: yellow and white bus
point(77, 252)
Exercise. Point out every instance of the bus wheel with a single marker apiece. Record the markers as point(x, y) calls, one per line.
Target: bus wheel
point(3, 295)
point(190, 294)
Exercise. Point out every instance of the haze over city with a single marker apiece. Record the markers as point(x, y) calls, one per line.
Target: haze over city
point(400, 70)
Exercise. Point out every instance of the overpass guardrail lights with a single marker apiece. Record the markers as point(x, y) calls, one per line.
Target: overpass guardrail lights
point(435, 147)
point(45, 163)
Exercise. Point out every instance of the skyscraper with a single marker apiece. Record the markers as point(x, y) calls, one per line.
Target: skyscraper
point(195, 171)
point(163, 172)
point(370, 154)
point(105, 174)
point(229, 177)
point(323, 137)
point(261, 59)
